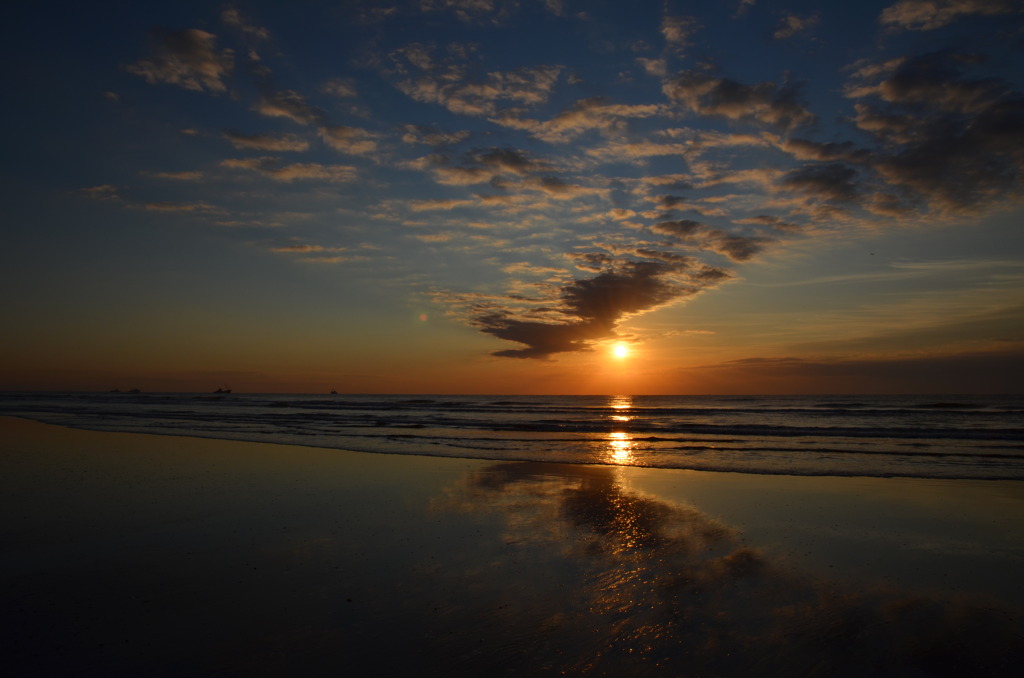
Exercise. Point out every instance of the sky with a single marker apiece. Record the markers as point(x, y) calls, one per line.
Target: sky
point(490, 196)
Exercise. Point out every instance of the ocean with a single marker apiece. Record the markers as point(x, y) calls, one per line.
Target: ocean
point(978, 437)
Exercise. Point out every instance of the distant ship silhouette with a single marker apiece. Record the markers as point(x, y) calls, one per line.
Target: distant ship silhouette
point(223, 390)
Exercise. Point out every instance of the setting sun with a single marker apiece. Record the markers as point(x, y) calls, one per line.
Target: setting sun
point(620, 350)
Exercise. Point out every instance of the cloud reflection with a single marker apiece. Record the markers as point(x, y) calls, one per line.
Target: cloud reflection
point(630, 585)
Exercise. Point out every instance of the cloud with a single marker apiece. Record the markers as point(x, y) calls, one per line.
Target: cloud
point(656, 67)
point(167, 206)
point(350, 140)
point(266, 142)
point(179, 176)
point(306, 249)
point(439, 204)
point(480, 165)
point(694, 233)
point(233, 18)
point(583, 116)
point(588, 310)
point(343, 88)
point(103, 192)
point(270, 167)
point(765, 102)
point(792, 25)
point(834, 182)
point(293, 106)
point(934, 80)
point(422, 134)
point(927, 15)
point(803, 149)
point(187, 58)
point(677, 30)
point(449, 83)
point(472, 11)
point(945, 141)
point(289, 104)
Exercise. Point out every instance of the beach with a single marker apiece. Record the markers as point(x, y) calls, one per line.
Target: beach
point(139, 554)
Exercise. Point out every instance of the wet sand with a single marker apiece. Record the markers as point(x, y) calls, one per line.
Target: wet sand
point(126, 554)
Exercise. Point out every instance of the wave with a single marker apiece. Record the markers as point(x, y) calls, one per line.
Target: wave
point(978, 437)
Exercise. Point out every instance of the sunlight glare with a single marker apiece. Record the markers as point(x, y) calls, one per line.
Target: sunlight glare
point(621, 447)
point(620, 350)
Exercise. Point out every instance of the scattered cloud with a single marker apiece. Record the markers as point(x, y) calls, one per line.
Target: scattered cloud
point(232, 17)
point(292, 105)
point(343, 88)
point(767, 103)
point(927, 15)
point(792, 25)
point(585, 115)
point(421, 134)
point(449, 83)
point(678, 30)
point(186, 58)
point(696, 234)
point(271, 167)
point(179, 176)
point(168, 206)
point(103, 192)
point(945, 140)
point(267, 142)
point(350, 140)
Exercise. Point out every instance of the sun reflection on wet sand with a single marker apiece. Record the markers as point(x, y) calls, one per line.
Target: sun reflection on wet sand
point(646, 588)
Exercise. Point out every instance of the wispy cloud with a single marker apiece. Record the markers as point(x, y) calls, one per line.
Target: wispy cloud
point(927, 15)
point(267, 142)
point(272, 168)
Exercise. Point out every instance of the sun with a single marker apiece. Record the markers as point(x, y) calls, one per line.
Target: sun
point(620, 350)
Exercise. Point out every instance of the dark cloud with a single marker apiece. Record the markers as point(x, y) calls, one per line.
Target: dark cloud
point(187, 58)
point(507, 160)
point(934, 80)
point(946, 140)
point(834, 181)
point(766, 103)
point(592, 307)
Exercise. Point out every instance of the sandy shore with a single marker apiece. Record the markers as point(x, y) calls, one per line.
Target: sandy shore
point(129, 554)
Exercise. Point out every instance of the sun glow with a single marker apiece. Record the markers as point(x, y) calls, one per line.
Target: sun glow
point(620, 350)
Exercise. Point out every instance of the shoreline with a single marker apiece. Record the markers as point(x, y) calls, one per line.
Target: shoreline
point(759, 471)
point(122, 547)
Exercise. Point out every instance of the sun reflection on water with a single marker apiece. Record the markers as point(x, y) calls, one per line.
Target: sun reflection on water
point(621, 447)
point(622, 406)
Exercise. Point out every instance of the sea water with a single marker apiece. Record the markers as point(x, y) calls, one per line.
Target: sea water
point(980, 437)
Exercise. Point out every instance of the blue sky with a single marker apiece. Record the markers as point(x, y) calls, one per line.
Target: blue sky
point(486, 196)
